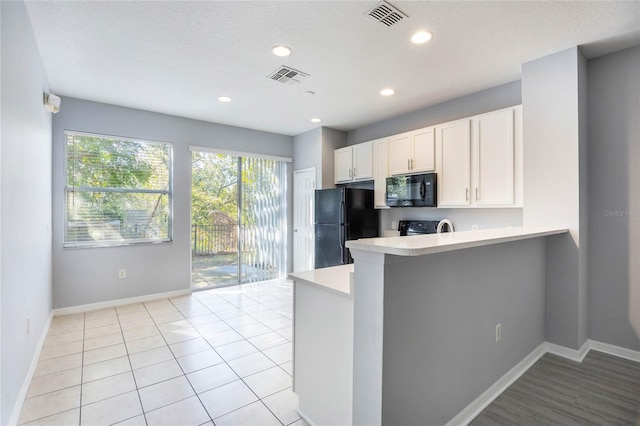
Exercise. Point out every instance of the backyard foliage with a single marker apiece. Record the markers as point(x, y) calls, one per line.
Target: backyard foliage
point(214, 186)
point(116, 189)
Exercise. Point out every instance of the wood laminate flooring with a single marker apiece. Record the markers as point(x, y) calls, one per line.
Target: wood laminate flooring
point(602, 390)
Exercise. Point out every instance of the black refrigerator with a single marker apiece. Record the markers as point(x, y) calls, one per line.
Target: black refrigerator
point(342, 214)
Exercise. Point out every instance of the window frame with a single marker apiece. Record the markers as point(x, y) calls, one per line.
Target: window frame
point(115, 243)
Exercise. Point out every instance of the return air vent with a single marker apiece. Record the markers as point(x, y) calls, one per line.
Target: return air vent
point(286, 75)
point(386, 14)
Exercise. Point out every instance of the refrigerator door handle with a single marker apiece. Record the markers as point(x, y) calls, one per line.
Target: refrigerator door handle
point(341, 212)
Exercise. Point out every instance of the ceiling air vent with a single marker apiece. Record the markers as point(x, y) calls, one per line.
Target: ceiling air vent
point(286, 75)
point(386, 14)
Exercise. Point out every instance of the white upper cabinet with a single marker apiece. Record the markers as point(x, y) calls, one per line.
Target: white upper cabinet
point(453, 161)
point(424, 150)
point(353, 163)
point(363, 161)
point(400, 154)
point(380, 171)
point(493, 152)
point(412, 152)
point(343, 164)
point(479, 160)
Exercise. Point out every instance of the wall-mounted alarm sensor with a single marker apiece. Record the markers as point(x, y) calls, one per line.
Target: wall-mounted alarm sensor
point(52, 102)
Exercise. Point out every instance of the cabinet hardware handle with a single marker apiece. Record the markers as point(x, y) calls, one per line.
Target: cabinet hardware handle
point(466, 197)
point(408, 164)
point(350, 175)
point(412, 166)
point(477, 196)
point(354, 172)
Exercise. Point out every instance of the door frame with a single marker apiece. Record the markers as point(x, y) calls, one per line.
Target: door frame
point(296, 174)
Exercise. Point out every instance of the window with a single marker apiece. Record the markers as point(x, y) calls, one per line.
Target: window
point(118, 191)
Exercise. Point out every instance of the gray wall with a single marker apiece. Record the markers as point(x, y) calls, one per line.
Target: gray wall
point(614, 180)
point(492, 99)
point(461, 295)
point(307, 152)
point(82, 276)
point(331, 140)
point(315, 149)
point(25, 240)
point(553, 194)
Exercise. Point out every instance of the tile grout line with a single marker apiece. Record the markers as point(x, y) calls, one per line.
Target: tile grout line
point(84, 330)
point(241, 378)
point(185, 374)
point(187, 317)
point(135, 382)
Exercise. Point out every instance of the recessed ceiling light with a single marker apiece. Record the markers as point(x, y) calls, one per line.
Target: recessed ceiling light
point(421, 37)
point(281, 50)
point(387, 92)
point(224, 99)
point(315, 120)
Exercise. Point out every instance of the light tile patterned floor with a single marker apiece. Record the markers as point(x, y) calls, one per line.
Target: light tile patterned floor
point(220, 357)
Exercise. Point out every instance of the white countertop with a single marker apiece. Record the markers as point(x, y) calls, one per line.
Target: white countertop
point(336, 278)
point(418, 245)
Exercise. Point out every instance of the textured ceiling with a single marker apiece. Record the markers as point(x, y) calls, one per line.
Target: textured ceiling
point(177, 57)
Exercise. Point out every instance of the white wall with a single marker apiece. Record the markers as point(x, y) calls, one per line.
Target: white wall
point(25, 241)
point(554, 190)
point(83, 276)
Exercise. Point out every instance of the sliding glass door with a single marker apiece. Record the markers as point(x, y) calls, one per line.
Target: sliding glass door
point(238, 212)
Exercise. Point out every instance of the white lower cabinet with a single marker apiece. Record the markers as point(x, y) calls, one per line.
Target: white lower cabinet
point(380, 171)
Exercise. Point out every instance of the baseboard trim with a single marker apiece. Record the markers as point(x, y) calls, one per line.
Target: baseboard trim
point(306, 418)
point(618, 351)
point(568, 353)
point(22, 395)
point(119, 302)
point(470, 412)
point(465, 416)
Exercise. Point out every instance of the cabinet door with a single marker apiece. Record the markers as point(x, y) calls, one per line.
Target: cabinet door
point(493, 149)
point(380, 171)
point(424, 158)
point(343, 164)
point(363, 161)
point(400, 154)
point(453, 145)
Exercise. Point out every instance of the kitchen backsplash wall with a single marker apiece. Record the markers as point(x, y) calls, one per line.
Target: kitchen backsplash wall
point(463, 219)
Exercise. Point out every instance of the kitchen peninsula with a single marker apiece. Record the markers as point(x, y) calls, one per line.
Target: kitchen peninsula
point(421, 327)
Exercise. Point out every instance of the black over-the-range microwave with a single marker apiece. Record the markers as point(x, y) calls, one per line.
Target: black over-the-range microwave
point(412, 190)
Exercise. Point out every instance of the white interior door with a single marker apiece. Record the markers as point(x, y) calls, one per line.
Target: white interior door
point(304, 184)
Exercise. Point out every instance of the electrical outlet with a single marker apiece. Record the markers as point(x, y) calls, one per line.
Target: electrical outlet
point(122, 273)
point(474, 227)
point(394, 225)
point(498, 332)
